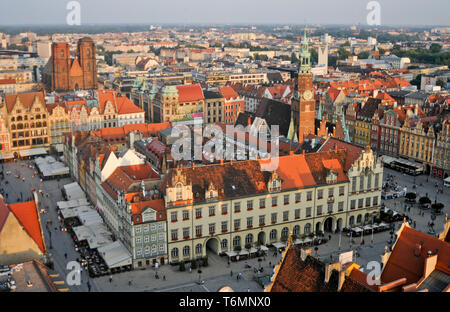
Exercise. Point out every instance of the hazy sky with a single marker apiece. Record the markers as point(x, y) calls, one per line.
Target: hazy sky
point(393, 12)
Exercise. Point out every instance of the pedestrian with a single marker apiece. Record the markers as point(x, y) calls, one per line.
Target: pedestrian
point(110, 279)
point(129, 283)
point(237, 277)
point(65, 255)
point(248, 289)
point(164, 277)
point(89, 286)
point(414, 224)
point(270, 263)
point(190, 270)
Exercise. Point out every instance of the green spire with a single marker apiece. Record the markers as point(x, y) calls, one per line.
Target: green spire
point(305, 55)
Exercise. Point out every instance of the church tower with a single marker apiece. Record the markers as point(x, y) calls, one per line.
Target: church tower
point(305, 93)
point(60, 65)
point(86, 55)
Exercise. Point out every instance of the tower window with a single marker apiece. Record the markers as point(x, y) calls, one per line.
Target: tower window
point(62, 53)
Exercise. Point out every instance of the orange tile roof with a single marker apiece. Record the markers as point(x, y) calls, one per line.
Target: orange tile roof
point(8, 81)
point(126, 106)
point(403, 263)
point(228, 92)
point(190, 93)
point(26, 99)
point(352, 151)
point(156, 204)
point(27, 215)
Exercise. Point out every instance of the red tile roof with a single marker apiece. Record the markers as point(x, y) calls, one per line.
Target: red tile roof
point(403, 263)
point(352, 151)
point(190, 93)
point(157, 204)
point(27, 214)
point(8, 81)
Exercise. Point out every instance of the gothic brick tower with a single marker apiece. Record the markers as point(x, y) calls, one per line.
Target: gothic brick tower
point(60, 66)
point(86, 56)
point(305, 94)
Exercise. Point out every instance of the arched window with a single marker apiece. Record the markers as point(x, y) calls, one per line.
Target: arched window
point(249, 239)
point(179, 191)
point(296, 230)
point(174, 252)
point(198, 249)
point(285, 232)
point(352, 220)
point(13, 127)
point(307, 228)
point(186, 251)
point(358, 219)
point(224, 244)
point(366, 217)
point(273, 234)
point(236, 241)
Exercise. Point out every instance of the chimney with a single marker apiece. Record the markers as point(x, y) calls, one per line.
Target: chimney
point(193, 165)
point(429, 264)
point(291, 153)
point(304, 253)
point(329, 267)
point(221, 162)
point(249, 122)
point(418, 249)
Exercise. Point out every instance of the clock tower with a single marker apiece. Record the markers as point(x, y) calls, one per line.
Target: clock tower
point(305, 94)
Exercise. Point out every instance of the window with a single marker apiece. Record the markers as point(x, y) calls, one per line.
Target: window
point(307, 228)
point(212, 228)
point(361, 183)
point(274, 201)
point(186, 251)
point(296, 230)
point(179, 191)
point(249, 238)
point(236, 241)
point(341, 190)
point(147, 250)
point(161, 236)
point(138, 230)
point(146, 239)
point(212, 211)
point(139, 252)
point(298, 197)
point(360, 202)
point(319, 210)
point(237, 224)
point(250, 222)
point(237, 207)
point(224, 226)
point(308, 212)
point(173, 216)
point(273, 235)
point(224, 209)
point(224, 244)
point(174, 234)
point(297, 213)
point(286, 199)
point(249, 204)
point(368, 202)
point(309, 196)
point(198, 249)
point(198, 213)
point(369, 182)
point(377, 178)
point(331, 192)
point(146, 229)
point(153, 249)
point(138, 240)
point(262, 220)
point(319, 194)
point(341, 206)
point(286, 215)
point(354, 184)
point(285, 232)
point(262, 203)
point(375, 200)
point(185, 232)
point(185, 214)
point(330, 208)
point(358, 219)
point(198, 230)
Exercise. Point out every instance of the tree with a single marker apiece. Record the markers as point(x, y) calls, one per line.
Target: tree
point(364, 55)
point(343, 53)
point(182, 266)
point(248, 246)
point(346, 44)
point(441, 83)
point(435, 48)
point(294, 58)
point(437, 207)
point(417, 81)
point(410, 196)
point(194, 264)
point(424, 200)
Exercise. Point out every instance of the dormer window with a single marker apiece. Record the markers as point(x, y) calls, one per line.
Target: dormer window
point(331, 177)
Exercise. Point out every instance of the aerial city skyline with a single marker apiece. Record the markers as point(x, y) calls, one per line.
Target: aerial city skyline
point(210, 147)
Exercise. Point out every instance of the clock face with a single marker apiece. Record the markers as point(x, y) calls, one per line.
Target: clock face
point(307, 95)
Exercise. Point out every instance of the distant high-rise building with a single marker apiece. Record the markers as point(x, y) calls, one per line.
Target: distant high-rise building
point(323, 56)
